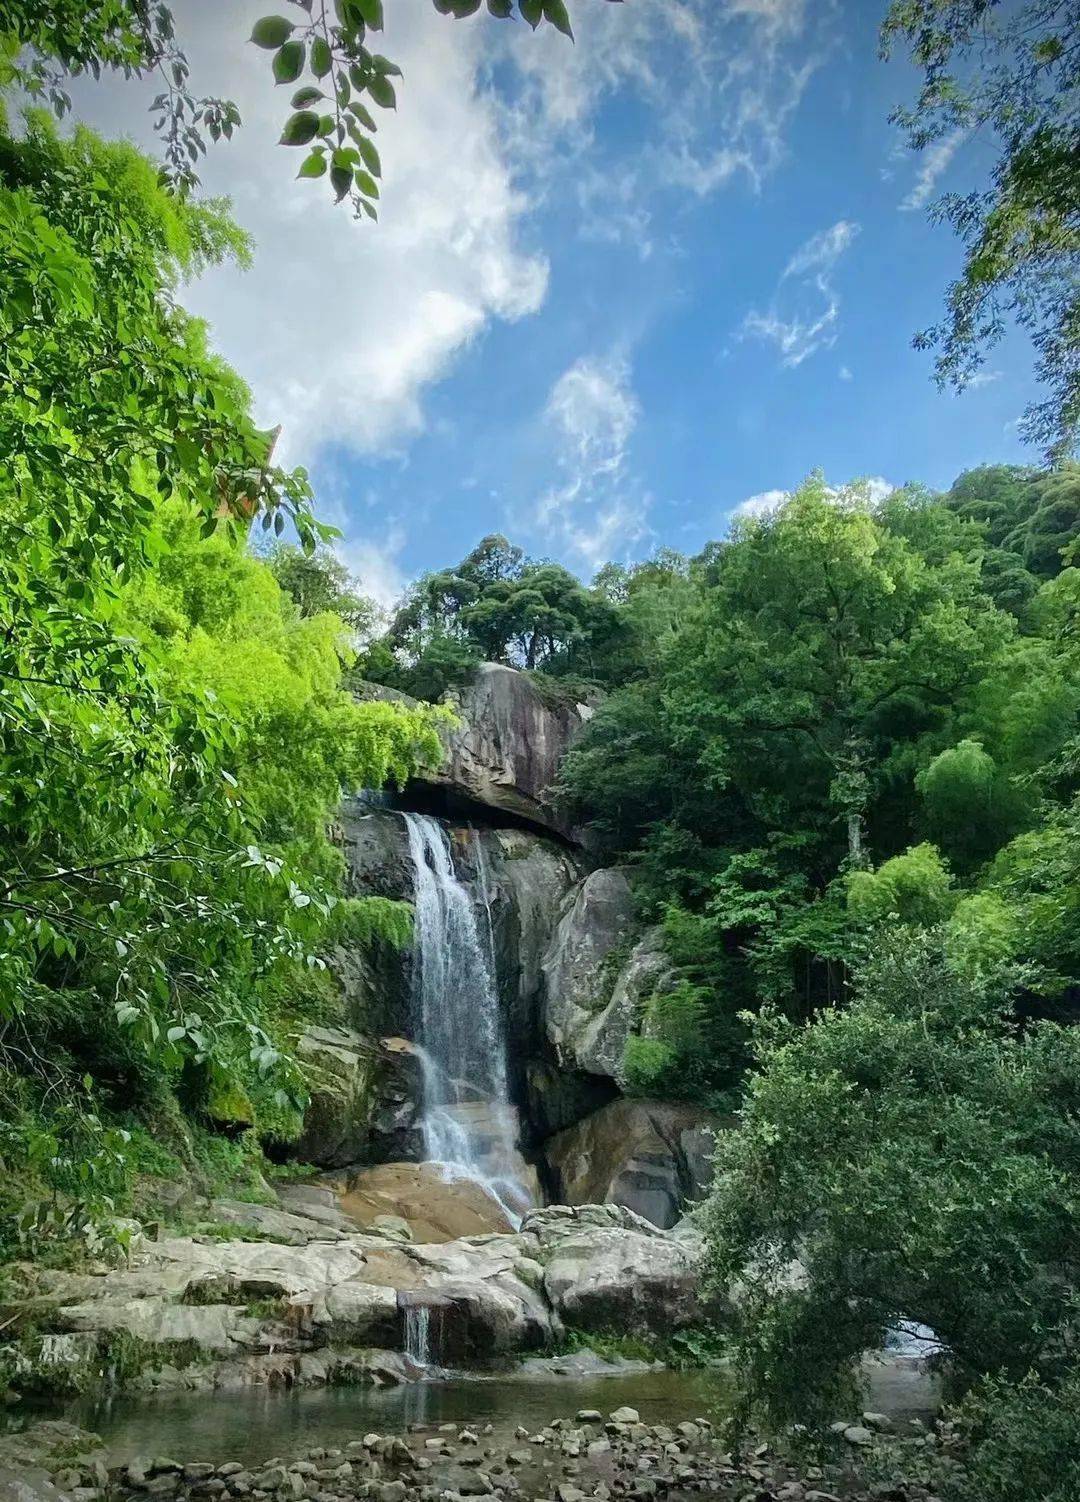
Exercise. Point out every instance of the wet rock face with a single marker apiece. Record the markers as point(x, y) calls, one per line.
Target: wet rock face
point(365, 1093)
point(596, 975)
point(506, 751)
point(376, 979)
point(651, 1156)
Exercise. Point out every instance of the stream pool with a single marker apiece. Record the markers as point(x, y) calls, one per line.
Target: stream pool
point(253, 1425)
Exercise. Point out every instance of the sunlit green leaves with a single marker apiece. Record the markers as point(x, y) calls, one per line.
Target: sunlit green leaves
point(272, 32)
point(338, 50)
point(382, 91)
point(300, 129)
point(289, 62)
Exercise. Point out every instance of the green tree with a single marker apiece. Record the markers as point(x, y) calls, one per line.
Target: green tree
point(320, 584)
point(495, 605)
point(1011, 72)
point(172, 734)
point(912, 1156)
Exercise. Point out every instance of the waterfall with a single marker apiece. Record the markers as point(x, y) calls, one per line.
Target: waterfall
point(469, 1125)
point(418, 1334)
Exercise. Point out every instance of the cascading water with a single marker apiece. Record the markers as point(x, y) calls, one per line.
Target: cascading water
point(418, 1334)
point(469, 1125)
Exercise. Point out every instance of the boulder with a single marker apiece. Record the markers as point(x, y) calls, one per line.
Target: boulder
point(651, 1156)
point(365, 1098)
point(432, 1208)
point(339, 1302)
point(589, 948)
point(505, 751)
point(606, 1268)
point(556, 1098)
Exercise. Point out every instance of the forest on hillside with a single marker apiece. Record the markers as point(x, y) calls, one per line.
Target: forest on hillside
point(838, 750)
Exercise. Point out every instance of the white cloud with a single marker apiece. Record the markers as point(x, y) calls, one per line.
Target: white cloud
point(822, 251)
point(376, 564)
point(341, 326)
point(597, 509)
point(933, 161)
point(872, 489)
point(765, 500)
point(982, 378)
point(804, 313)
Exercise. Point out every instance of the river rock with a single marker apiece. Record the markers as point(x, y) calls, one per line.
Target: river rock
point(432, 1208)
point(341, 1301)
point(607, 1268)
point(651, 1156)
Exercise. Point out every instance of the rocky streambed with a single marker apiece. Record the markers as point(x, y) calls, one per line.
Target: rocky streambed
point(580, 1454)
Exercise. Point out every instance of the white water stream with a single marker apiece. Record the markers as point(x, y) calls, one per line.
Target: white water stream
point(469, 1125)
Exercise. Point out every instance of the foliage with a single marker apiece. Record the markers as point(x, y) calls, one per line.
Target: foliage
point(915, 888)
point(320, 584)
point(1010, 72)
point(917, 1155)
point(173, 733)
point(1022, 1440)
point(495, 605)
point(326, 43)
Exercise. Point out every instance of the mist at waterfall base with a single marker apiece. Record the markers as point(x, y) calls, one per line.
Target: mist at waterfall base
point(469, 1124)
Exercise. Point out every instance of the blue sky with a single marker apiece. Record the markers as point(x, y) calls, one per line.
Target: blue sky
point(618, 290)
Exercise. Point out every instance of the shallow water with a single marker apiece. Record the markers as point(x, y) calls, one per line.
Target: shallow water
point(256, 1424)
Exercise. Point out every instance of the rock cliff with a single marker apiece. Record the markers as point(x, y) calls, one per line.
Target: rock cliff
point(574, 969)
point(505, 751)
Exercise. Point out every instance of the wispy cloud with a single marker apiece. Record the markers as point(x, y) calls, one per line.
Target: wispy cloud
point(804, 312)
point(982, 378)
point(933, 161)
point(597, 509)
point(703, 71)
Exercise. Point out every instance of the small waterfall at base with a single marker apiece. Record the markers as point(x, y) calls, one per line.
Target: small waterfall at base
point(469, 1125)
point(418, 1334)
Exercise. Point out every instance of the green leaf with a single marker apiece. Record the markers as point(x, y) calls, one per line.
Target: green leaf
point(372, 12)
point(313, 165)
point(322, 59)
point(289, 62)
point(367, 184)
point(382, 91)
point(271, 31)
point(363, 114)
point(555, 11)
point(532, 11)
point(305, 96)
point(462, 8)
point(370, 155)
point(500, 9)
point(341, 181)
point(299, 129)
point(385, 66)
